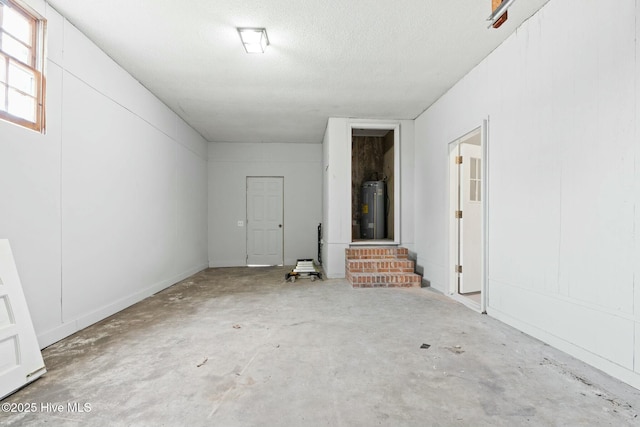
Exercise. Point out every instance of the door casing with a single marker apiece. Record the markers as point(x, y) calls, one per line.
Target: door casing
point(455, 244)
point(395, 127)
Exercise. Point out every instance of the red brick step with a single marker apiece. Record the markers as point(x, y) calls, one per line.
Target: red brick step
point(368, 267)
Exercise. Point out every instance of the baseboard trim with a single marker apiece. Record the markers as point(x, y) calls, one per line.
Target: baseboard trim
point(72, 326)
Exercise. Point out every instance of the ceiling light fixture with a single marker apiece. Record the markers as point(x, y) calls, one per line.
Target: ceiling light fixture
point(254, 40)
point(499, 11)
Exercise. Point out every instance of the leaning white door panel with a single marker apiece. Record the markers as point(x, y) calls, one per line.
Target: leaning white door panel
point(20, 358)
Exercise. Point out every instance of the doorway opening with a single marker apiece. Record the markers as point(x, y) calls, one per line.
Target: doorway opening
point(374, 185)
point(467, 196)
point(265, 220)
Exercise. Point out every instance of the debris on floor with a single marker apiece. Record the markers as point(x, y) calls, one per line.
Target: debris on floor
point(202, 363)
point(305, 268)
point(456, 350)
point(425, 346)
point(237, 326)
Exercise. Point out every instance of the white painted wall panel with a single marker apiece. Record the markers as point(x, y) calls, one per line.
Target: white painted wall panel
point(227, 206)
point(337, 233)
point(407, 172)
point(30, 216)
point(108, 206)
point(192, 210)
point(598, 170)
point(431, 222)
point(230, 164)
point(338, 185)
point(524, 231)
point(30, 200)
point(563, 189)
point(117, 183)
point(87, 62)
point(602, 333)
point(188, 137)
point(326, 221)
point(55, 36)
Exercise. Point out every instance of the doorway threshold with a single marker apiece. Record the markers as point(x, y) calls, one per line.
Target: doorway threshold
point(473, 305)
point(265, 265)
point(380, 242)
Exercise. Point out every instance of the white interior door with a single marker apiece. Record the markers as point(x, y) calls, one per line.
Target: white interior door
point(470, 186)
point(20, 358)
point(265, 221)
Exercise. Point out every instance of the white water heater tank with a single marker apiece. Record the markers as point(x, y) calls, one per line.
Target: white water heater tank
point(373, 219)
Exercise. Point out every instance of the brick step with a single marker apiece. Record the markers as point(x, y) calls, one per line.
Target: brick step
point(389, 252)
point(380, 266)
point(384, 280)
point(375, 267)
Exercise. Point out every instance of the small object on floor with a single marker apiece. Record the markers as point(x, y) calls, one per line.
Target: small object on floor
point(425, 346)
point(203, 362)
point(237, 326)
point(455, 350)
point(305, 268)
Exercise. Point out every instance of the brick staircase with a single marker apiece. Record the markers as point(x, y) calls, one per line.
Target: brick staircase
point(386, 267)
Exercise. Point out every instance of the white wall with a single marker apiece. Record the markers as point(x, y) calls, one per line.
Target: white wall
point(337, 188)
point(336, 234)
point(229, 166)
point(562, 94)
point(110, 205)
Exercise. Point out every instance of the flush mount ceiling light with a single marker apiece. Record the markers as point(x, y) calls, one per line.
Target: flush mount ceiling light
point(254, 40)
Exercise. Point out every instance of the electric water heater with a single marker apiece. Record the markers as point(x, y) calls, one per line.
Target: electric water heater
point(373, 219)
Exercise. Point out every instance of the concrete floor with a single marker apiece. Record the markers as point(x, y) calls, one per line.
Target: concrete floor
point(241, 347)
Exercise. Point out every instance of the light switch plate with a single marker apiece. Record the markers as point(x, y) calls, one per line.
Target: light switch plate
point(240, 223)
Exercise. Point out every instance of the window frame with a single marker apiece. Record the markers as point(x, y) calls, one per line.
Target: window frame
point(475, 180)
point(37, 57)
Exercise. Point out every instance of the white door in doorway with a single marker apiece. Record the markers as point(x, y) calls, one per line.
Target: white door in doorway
point(20, 358)
point(471, 221)
point(265, 221)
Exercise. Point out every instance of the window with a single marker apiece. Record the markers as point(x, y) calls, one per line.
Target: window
point(475, 180)
point(21, 65)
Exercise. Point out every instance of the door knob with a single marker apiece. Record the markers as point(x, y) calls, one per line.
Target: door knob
point(280, 225)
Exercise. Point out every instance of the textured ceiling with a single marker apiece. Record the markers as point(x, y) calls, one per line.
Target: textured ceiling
point(333, 58)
